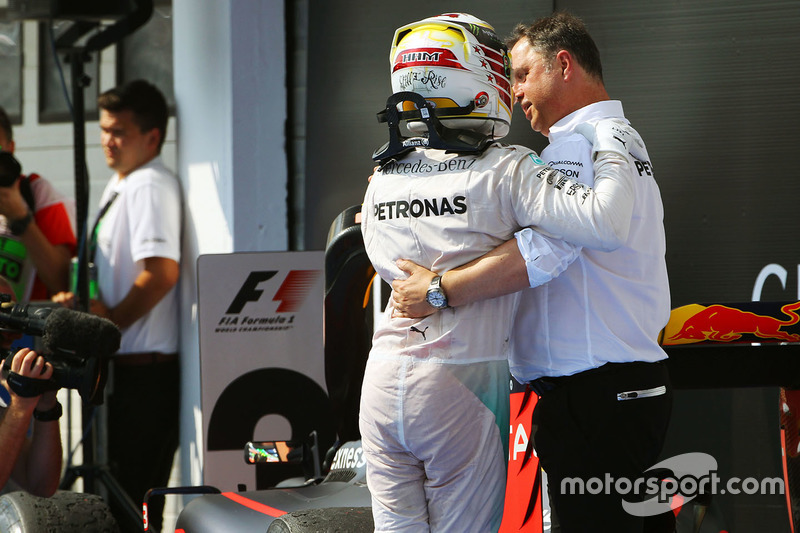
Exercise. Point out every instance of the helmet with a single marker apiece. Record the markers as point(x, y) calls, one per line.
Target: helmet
point(453, 60)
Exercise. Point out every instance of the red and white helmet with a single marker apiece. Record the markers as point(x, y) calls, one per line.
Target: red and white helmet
point(452, 60)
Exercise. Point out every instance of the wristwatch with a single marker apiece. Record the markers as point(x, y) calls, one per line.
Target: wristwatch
point(52, 414)
point(435, 295)
point(18, 227)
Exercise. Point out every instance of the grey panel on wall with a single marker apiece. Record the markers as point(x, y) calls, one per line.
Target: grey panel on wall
point(11, 70)
point(348, 83)
point(712, 87)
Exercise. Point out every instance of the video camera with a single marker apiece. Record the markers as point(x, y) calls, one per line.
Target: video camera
point(76, 344)
point(10, 169)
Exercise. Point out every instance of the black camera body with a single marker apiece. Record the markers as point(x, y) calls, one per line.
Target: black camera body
point(76, 344)
point(10, 169)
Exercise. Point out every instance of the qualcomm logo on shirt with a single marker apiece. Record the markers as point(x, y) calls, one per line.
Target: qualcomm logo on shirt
point(568, 168)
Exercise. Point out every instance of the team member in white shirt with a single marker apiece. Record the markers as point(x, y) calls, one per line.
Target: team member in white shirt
point(136, 246)
point(434, 405)
point(138, 264)
point(587, 341)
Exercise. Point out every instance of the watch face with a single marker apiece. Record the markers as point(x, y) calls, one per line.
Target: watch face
point(436, 299)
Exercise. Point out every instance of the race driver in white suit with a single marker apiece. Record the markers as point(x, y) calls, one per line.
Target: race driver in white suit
point(434, 407)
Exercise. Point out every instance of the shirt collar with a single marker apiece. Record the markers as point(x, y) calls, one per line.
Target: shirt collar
point(566, 126)
point(156, 161)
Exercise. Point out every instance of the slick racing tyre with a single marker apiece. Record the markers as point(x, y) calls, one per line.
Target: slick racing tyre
point(65, 512)
point(329, 520)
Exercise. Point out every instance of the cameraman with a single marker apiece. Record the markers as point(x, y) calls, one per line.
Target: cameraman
point(40, 220)
point(33, 463)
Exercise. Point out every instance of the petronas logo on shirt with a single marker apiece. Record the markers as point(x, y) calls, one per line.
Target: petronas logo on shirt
point(418, 208)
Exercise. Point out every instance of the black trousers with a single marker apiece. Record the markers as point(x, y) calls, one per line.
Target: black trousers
point(581, 429)
point(143, 419)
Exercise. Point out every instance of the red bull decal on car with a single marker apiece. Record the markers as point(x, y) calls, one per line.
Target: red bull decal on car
point(744, 322)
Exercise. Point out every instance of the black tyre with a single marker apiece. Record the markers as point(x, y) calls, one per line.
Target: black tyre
point(65, 512)
point(330, 520)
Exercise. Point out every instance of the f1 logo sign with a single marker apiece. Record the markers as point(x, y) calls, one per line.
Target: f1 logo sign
point(249, 292)
point(291, 294)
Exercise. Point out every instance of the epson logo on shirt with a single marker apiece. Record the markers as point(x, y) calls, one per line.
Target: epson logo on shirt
point(419, 208)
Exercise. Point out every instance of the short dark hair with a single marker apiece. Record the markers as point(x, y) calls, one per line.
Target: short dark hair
point(141, 97)
point(561, 31)
point(5, 124)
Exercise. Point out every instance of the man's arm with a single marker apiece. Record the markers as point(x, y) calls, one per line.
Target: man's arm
point(34, 464)
point(597, 217)
point(38, 469)
point(160, 274)
point(13, 427)
point(52, 261)
point(529, 260)
point(501, 271)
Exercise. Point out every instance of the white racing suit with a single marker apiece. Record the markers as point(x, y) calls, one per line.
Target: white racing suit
point(434, 406)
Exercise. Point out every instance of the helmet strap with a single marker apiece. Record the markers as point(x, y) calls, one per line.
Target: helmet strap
point(439, 136)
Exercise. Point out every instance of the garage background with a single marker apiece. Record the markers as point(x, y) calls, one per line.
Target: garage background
point(275, 125)
point(712, 88)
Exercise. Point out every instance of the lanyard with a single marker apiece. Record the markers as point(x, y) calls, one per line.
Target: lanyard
point(100, 215)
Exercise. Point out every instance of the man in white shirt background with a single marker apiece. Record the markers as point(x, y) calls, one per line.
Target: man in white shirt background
point(135, 244)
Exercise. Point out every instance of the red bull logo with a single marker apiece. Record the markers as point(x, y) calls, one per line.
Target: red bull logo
point(722, 323)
